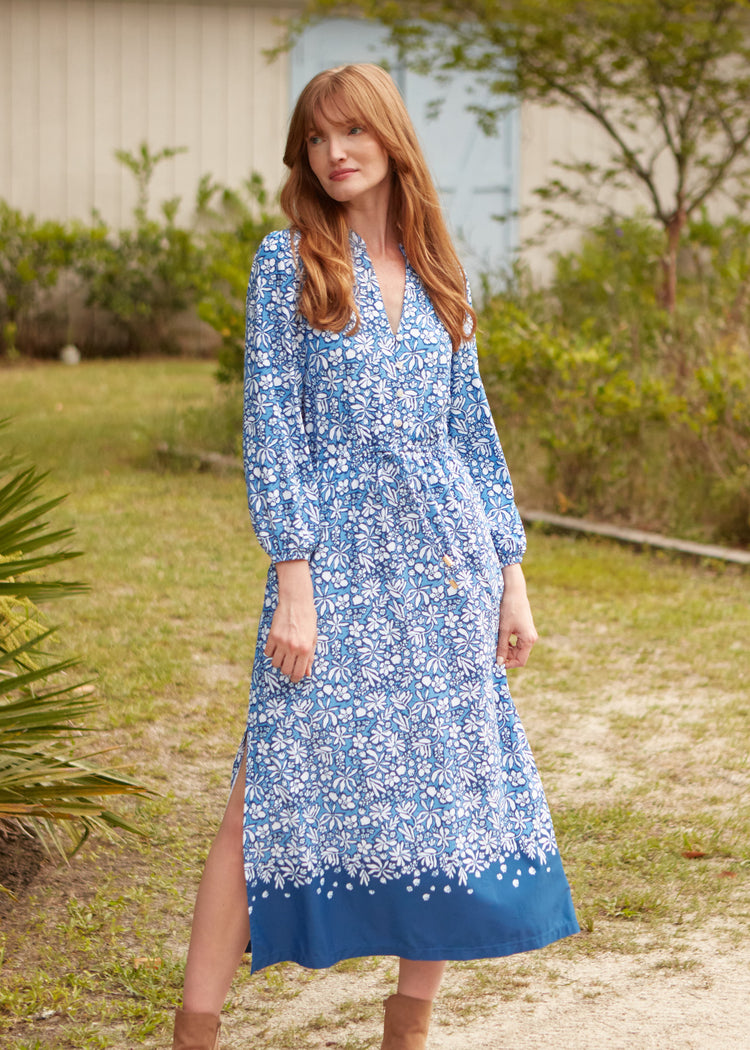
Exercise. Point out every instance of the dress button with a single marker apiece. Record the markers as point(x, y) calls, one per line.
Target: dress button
point(397, 423)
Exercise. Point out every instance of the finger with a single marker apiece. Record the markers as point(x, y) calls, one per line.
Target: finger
point(310, 657)
point(522, 651)
point(294, 661)
point(516, 651)
point(297, 665)
point(517, 658)
point(300, 667)
point(286, 666)
point(503, 640)
point(506, 642)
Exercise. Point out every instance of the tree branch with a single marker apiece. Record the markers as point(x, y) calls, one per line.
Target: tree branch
point(631, 163)
point(708, 55)
point(720, 171)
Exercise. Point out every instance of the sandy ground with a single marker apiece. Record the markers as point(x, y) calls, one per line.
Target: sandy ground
point(601, 1002)
point(615, 1002)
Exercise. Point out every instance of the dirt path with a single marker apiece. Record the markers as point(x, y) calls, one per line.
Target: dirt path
point(689, 997)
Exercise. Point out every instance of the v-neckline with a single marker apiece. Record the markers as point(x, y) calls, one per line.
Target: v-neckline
point(356, 240)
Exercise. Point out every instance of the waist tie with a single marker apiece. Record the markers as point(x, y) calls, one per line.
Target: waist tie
point(402, 469)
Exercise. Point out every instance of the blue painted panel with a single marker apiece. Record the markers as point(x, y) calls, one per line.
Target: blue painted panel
point(337, 42)
point(477, 175)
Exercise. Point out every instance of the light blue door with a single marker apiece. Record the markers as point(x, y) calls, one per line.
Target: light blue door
point(477, 175)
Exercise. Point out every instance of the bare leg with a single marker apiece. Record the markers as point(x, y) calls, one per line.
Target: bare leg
point(221, 927)
point(419, 979)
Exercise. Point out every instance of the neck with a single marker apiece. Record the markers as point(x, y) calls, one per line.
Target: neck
point(379, 240)
point(371, 220)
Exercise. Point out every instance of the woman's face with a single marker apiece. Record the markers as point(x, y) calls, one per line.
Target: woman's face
point(349, 162)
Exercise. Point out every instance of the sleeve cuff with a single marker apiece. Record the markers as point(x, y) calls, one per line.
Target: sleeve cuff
point(292, 554)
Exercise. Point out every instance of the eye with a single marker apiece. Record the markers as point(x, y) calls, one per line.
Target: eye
point(356, 130)
point(314, 139)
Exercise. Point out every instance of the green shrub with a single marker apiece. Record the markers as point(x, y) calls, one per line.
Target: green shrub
point(214, 426)
point(716, 265)
point(577, 401)
point(628, 413)
point(232, 225)
point(145, 275)
point(715, 444)
point(609, 286)
point(32, 255)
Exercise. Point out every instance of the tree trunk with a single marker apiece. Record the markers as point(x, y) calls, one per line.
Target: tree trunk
point(674, 230)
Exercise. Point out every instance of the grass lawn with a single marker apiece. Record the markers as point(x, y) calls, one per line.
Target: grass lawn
point(636, 701)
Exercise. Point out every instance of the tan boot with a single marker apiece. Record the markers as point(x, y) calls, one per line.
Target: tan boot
point(406, 1023)
point(196, 1031)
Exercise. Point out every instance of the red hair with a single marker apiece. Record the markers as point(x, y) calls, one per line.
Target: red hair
point(366, 94)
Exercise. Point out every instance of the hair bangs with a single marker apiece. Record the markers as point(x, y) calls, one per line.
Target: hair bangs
point(345, 99)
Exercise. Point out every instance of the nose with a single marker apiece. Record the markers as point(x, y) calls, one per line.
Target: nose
point(336, 148)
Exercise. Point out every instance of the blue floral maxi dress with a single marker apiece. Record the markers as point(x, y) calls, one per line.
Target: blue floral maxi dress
point(392, 804)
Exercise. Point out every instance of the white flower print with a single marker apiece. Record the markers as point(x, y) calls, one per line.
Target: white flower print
point(375, 457)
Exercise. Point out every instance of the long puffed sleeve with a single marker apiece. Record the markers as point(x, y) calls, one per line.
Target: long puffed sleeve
point(471, 429)
point(281, 489)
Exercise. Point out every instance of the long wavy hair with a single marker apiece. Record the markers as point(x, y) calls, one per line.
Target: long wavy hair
point(365, 94)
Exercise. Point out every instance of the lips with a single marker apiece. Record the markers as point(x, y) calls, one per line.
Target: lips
point(341, 173)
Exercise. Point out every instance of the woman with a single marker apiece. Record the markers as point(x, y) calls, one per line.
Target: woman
point(384, 791)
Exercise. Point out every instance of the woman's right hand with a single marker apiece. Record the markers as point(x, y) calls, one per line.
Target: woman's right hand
point(294, 627)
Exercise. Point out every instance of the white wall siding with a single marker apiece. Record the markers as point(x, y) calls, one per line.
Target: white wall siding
point(81, 78)
point(550, 134)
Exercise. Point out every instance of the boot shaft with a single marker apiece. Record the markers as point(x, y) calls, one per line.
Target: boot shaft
point(196, 1031)
point(407, 1021)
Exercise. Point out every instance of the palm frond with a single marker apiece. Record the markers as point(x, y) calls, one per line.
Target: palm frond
point(24, 530)
point(53, 711)
point(45, 786)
